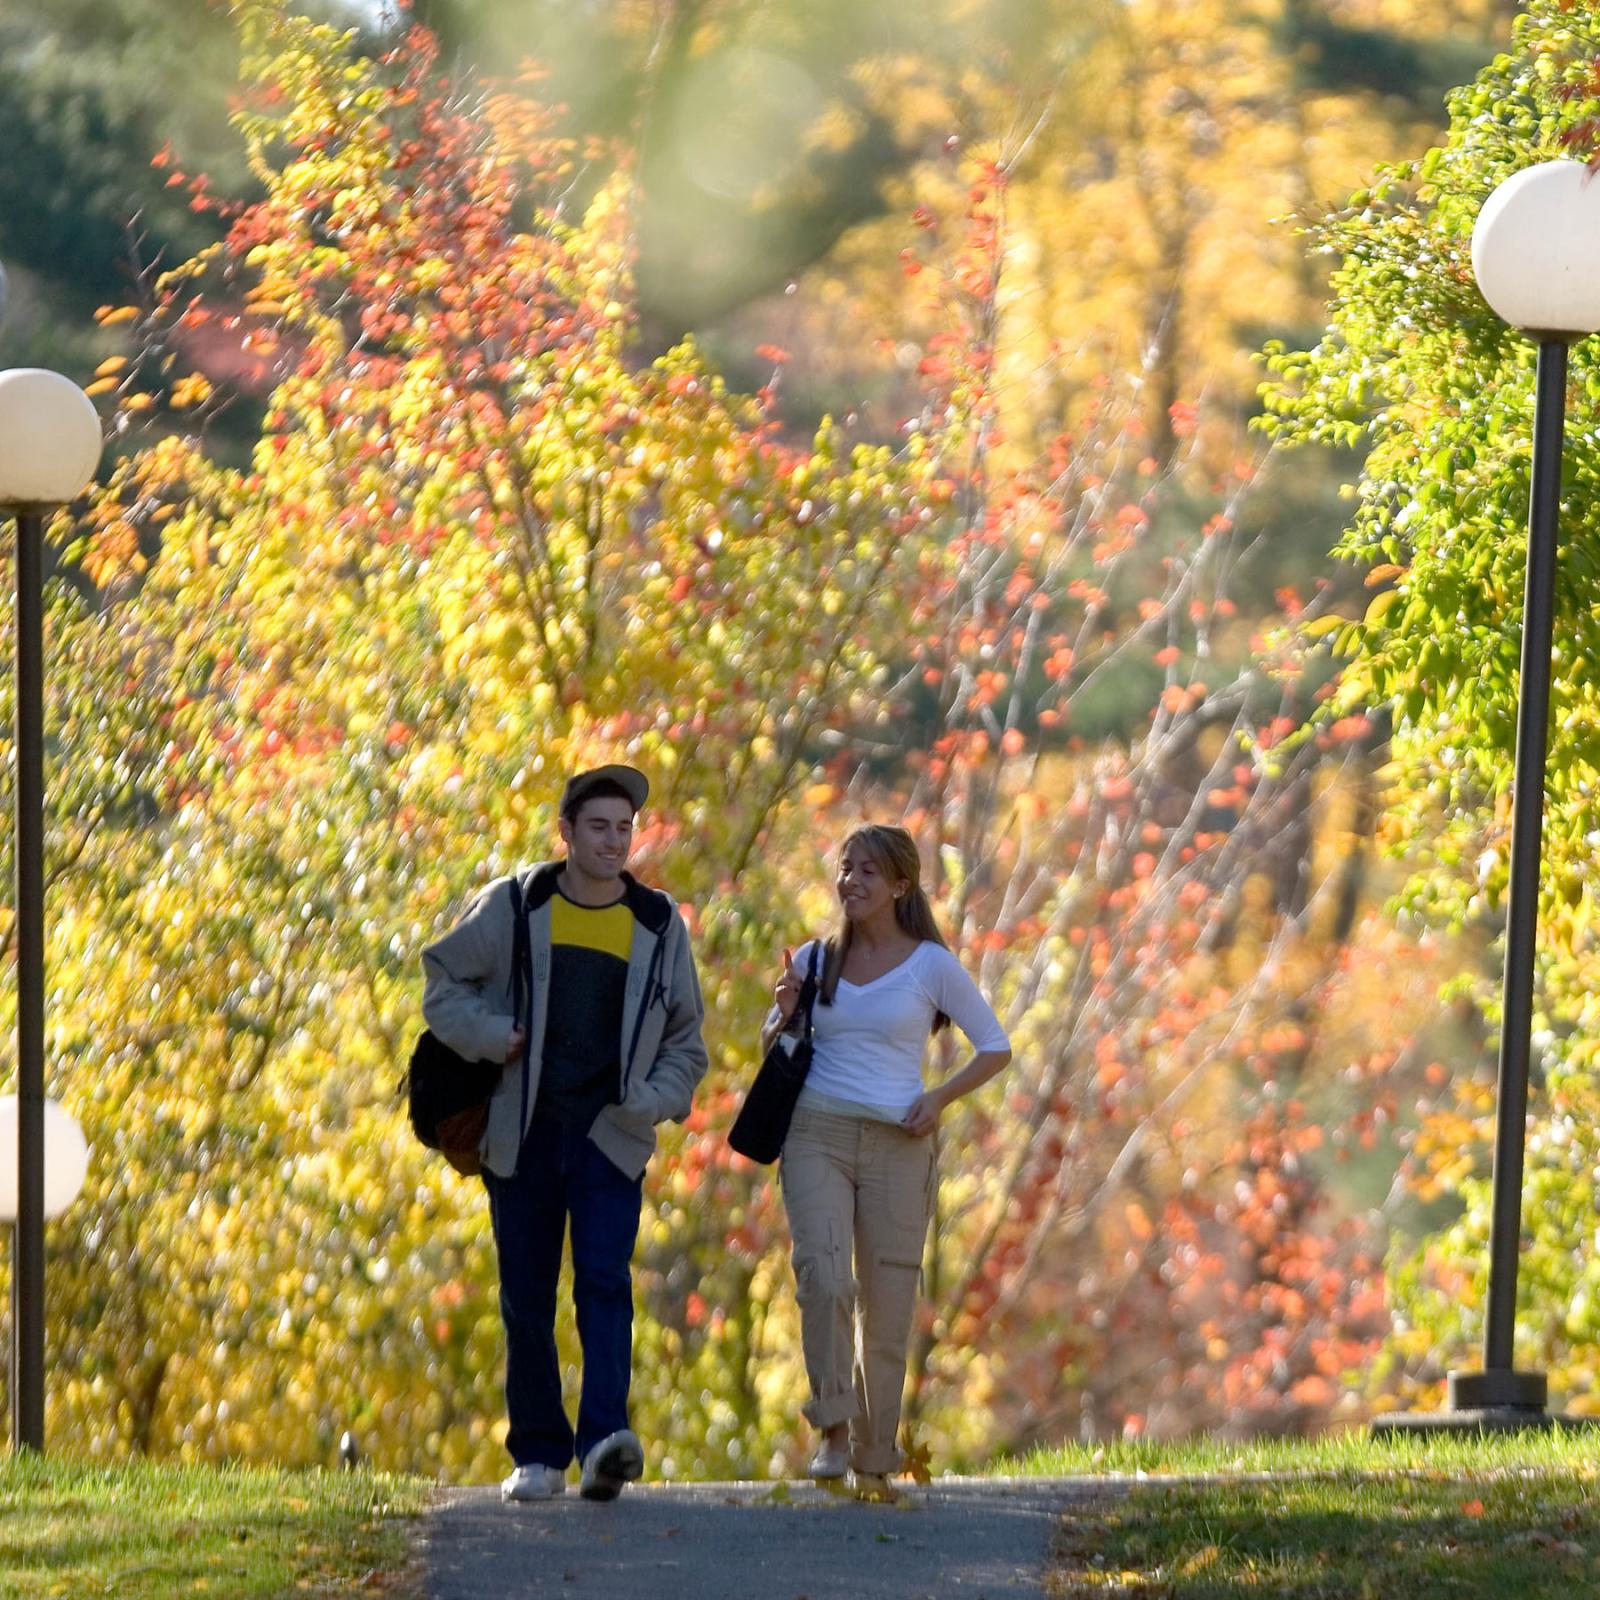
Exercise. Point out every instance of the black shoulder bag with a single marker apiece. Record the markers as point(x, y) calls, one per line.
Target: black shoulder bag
point(448, 1096)
point(763, 1121)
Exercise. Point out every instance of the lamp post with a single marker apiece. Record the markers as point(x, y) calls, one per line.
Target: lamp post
point(1534, 252)
point(49, 449)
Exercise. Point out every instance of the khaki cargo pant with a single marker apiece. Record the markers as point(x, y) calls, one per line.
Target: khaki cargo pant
point(859, 1194)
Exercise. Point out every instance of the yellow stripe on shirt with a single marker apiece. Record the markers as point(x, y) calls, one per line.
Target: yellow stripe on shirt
point(608, 929)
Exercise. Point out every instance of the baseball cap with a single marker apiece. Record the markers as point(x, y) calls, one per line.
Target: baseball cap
point(630, 780)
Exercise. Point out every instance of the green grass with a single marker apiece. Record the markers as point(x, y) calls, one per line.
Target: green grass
point(1513, 1517)
point(140, 1530)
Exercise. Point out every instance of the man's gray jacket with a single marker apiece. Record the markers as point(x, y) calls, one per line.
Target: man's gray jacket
point(467, 1003)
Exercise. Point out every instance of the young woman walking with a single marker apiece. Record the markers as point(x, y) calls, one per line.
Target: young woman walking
point(857, 1168)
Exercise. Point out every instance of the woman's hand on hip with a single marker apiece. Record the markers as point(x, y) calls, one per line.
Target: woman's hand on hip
point(922, 1116)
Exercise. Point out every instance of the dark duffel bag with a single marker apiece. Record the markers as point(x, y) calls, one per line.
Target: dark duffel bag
point(763, 1121)
point(447, 1096)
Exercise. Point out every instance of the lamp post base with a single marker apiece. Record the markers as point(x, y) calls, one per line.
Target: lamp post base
point(1494, 1401)
point(1498, 1389)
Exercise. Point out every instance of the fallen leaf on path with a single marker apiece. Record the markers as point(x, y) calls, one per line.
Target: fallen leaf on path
point(918, 1456)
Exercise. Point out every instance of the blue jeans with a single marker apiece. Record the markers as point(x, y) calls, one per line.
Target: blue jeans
point(560, 1174)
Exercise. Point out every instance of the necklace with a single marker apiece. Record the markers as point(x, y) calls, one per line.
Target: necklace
point(873, 961)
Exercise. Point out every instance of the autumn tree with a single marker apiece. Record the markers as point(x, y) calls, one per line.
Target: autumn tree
point(1415, 366)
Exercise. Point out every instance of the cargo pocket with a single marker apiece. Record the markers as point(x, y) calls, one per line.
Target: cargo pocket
point(896, 1288)
point(821, 1262)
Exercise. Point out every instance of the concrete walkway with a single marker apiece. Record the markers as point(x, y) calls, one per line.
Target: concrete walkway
point(955, 1539)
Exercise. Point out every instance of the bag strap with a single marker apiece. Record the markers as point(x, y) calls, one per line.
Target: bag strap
point(521, 969)
point(808, 990)
point(520, 957)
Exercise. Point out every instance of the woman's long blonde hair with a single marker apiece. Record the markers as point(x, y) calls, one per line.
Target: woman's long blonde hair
point(894, 853)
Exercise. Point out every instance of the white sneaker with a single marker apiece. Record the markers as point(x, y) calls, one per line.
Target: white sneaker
point(617, 1460)
point(830, 1461)
point(534, 1483)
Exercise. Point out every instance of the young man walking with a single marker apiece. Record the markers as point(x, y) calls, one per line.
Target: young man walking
point(609, 1045)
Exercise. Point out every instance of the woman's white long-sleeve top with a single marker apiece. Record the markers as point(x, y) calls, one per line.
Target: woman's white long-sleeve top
point(870, 1044)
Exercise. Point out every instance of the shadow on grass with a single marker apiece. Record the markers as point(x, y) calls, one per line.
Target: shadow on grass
point(1387, 1537)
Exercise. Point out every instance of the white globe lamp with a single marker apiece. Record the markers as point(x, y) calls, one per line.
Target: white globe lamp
point(49, 439)
point(1536, 250)
point(66, 1159)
